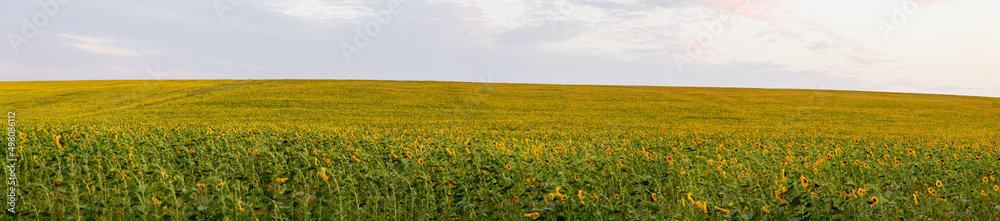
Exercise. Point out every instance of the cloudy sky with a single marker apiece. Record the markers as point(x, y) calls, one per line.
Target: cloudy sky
point(926, 46)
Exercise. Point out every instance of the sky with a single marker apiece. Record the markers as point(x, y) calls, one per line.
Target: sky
point(919, 46)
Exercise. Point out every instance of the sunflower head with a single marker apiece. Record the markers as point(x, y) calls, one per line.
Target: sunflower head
point(532, 215)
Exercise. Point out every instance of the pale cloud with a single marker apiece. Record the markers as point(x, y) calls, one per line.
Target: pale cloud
point(106, 46)
point(326, 12)
point(597, 45)
point(501, 16)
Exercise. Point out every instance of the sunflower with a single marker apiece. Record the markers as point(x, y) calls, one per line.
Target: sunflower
point(322, 173)
point(508, 166)
point(937, 183)
point(532, 215)
point(986, 179)
point(861, 191)
point(56, 137)
point(931, 191)
point(722, 209)
point(702, 205)
point(874, 201)
point(805, 182)
point(561, 196)
point(777, 193)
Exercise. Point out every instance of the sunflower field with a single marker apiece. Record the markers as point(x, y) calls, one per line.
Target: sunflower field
point(401, 150)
